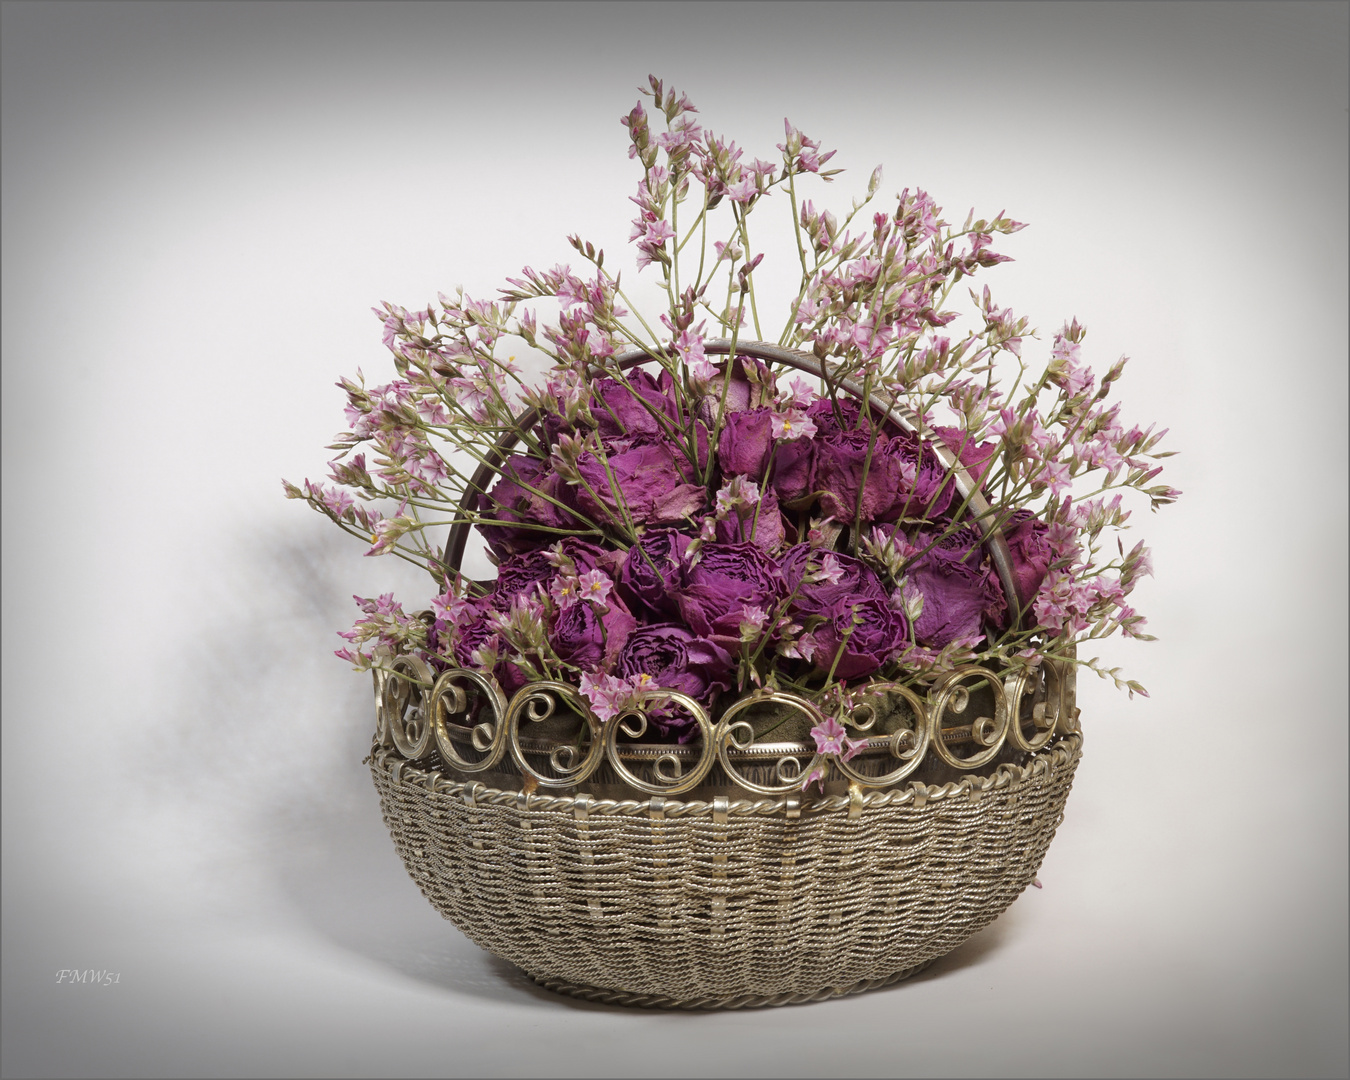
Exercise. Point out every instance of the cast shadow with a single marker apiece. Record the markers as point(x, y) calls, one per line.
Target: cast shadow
point(317, 831)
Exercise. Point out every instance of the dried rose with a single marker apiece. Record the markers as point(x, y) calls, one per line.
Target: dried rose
point(863, 633)
point(651, 573)
point(858, 473)
point(746, 443)
point(520, 574)
point(752, 385)
point(794, 469)
point(760, 524)
point(1028, 542)
point(977, 458)
point(958, 590)
point(726, 579)
point(620, 412)
point(673, 658)
point(590, 638)
point(651, 478)
point(838, 577)
point(511, 500)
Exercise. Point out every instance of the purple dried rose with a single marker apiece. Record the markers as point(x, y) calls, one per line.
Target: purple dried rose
point(794, 469)
point(589, 637)
point(833, 417)
point(863, 632)
point(523, 495)
point(1028, 542)
point(726, 579)
point(927, 492)
point(958, 590)
point(674, 659)
point(746, 443)
point(653, 479)
point(621, 412)
point(651, 573)
point(760, 524)
point(520, 574)
point(844, 578)
point(858, 474)
point(476, 632)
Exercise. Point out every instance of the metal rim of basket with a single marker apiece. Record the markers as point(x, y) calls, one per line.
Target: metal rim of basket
point(1006, 778)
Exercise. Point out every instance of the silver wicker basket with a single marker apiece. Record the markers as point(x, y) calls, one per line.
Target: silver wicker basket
point(719, 902)
point(702, 876)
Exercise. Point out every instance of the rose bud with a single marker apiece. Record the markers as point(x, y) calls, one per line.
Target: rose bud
point(651, 573)
point(725, 580)
point(957, 589)
point(863, 632)
point(746, 443)
point(675, 659)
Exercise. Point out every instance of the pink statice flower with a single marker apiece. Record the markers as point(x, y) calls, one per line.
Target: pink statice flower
point(753, 619)
point(594, 586)
point(608, 695)
point(831, 740)
point(727, 249)
point(830, 570)
point(792, 424)
point(565, 590)
point(815, 776)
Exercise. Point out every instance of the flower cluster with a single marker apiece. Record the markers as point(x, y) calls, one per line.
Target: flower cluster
point(697, 520)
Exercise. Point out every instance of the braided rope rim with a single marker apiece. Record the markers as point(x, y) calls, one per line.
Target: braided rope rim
point(744, 1001)
point(401, 771)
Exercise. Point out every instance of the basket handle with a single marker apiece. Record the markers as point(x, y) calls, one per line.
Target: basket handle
point(994, 540)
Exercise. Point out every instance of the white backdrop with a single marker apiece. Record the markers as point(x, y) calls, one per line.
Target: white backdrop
point(200, 205)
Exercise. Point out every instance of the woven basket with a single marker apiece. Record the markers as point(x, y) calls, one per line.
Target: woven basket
point(724, 903)
point(701, 876)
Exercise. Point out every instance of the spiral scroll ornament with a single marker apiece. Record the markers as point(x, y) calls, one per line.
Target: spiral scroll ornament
point(463, 716)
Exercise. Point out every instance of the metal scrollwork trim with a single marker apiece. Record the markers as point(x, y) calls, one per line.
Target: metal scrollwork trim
point(907, 744)
point(413, 716)
point(488, 737)
point(739, 735)
point(679, 783)
point(404, 715)
point(538, 701)
point(989, 732)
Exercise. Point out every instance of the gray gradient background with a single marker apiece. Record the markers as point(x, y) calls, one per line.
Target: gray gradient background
point(201, 203)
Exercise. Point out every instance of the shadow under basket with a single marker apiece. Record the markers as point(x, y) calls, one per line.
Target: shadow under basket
point(722, 897)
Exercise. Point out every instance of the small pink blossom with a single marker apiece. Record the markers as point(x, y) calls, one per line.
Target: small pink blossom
point(595, 587)
point(565, 590)
point(752, 622)
point(831, 740)
point(802, 647)
point(608, 695)
point(815, 776)
point(727, 250)
point(743, 191)
point(830, 570)
point(793, 424)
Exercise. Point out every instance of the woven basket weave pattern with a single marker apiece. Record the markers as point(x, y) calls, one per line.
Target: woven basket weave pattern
point(724, 902)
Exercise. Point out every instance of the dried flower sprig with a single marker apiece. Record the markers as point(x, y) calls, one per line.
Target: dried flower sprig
point(692, 524)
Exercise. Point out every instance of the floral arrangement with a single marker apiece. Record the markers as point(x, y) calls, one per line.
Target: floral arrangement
point(707, 523)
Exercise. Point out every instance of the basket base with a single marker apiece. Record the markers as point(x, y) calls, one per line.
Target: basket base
point(743, 1001)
